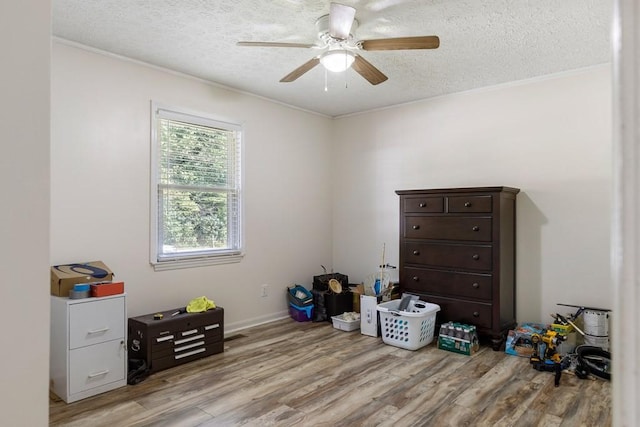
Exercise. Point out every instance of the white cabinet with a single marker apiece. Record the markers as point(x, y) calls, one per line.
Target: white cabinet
point(88, 346)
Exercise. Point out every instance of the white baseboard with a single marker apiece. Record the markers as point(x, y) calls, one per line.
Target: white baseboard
point(232, 328)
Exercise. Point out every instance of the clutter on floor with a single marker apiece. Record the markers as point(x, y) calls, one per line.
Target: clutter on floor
point(301, 303)
point(458, 338)
point(566, 343)
point(407, 323)
point(347, 321)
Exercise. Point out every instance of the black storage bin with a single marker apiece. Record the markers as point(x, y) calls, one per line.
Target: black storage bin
point(337, 304)
point(321, 282)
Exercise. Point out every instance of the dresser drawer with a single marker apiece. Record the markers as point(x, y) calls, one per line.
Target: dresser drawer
point(96, 321)
point(96, 365)
point(168, 343)
point(423, 204)
point(447, 283)
point(187, 356)
point(469, 204)
point(181, 325)
point(448, 228)
point(474, 257)
point(473, 313)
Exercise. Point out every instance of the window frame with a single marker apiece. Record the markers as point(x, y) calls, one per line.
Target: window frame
point(196, 258)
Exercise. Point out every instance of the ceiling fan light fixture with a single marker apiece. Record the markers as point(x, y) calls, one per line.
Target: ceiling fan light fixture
point(337, 60)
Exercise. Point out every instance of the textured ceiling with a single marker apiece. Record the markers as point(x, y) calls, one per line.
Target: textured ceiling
point(482, 43)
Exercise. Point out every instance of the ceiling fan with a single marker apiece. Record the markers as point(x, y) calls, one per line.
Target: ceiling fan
point(340, 48)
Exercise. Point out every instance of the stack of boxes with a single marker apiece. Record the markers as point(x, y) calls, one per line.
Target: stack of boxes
point(82, 280)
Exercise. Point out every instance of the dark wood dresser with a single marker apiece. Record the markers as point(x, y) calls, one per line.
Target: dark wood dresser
point(457, 250)
point(175, 339)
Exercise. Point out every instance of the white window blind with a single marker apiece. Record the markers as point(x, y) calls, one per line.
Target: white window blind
point(196, 185)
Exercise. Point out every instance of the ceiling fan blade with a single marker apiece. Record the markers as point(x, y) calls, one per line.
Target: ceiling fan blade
point(340, 20)
point(274, 44)
point(401, 43)
point(368, 71)
point(300, 70)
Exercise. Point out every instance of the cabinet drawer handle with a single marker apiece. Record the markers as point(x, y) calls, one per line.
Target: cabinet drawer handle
point(416, 227)
point(97, 331)
point(416, 252)
point(416, 279)
point(475, 228)
point(467, 204)
point(475, 285)
point(476, 314)
point(99, 374)
point(423, 205)
point(476, 257)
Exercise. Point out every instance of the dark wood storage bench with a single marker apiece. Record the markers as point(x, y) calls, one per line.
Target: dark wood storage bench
point(175, 339)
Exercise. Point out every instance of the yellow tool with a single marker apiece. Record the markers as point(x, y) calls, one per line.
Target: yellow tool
point(551, 361)
point(551, 339)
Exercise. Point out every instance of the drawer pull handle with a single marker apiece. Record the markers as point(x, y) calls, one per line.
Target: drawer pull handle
point(190, 353)
point(475, 228)
point(97, 331)
point(467, 204)
point(209, 327)
point(99, 374)
point(187, 347)
point(164, 338)
point(423, 205)
point(476, 257)
point(184, 340)
point(416, 227)
point(416, 252)
point(416, 279)
point(476, 314)
point(475, 285)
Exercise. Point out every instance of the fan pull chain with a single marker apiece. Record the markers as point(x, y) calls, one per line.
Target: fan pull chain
point(326, 88)
point(346, 68)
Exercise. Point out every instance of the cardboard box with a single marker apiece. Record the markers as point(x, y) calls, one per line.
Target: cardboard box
point(519, 340)
point(369, 315)
point(106, 289)
point(63, 277)
point(466, 345)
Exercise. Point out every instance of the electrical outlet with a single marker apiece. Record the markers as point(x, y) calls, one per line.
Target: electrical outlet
point(264, 289)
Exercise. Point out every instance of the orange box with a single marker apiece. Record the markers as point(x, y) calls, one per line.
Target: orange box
point(105, 289)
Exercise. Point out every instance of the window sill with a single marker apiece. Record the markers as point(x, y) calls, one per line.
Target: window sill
point(197, 262)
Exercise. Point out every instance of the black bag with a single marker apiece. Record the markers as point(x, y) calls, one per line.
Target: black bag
point(319, 309)
point(138, 371)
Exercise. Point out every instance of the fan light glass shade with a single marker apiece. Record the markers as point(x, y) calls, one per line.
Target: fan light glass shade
point(337, 60)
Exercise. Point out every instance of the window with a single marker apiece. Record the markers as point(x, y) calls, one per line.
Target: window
point(195, 190)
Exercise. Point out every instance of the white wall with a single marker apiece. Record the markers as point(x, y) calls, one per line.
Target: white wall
point(549, 137)
point(24, 216)
point(100, 185)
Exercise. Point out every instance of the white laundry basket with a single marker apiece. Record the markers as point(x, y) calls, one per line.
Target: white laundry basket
point(411, 329)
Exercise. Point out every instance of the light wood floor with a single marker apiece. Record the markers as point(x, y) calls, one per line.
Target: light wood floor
point(288, 373)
